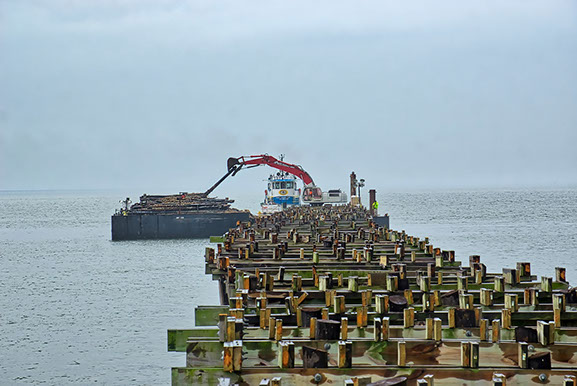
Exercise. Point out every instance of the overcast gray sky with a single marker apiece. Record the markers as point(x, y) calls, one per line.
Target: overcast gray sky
point(156, 95)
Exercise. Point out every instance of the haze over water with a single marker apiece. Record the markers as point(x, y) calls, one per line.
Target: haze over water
point(78, 308)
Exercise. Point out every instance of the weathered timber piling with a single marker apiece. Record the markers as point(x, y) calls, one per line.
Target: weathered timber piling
point(317, 295)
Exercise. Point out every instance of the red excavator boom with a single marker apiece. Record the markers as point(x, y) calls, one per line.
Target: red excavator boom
point(312, 194)
point(235, 164)
point(264, 159)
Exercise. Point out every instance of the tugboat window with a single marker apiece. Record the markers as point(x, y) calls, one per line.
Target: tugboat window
point(283, 185)
point(289, 185)
point(276, 185)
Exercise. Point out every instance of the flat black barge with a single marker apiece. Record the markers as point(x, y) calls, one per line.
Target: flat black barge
point(184, 215)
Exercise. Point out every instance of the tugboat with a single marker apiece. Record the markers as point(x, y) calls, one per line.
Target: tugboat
point(281, 193)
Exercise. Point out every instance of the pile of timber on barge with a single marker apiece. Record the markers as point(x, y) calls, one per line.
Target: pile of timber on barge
point(184, 215)
point(326, 296)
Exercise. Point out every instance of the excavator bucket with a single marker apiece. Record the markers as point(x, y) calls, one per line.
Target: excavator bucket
point(232, 162)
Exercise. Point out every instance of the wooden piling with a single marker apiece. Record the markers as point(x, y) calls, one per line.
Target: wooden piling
point(278, 329)
point(313, 328)
point(465, 354)
point(344, 328)
point(286, 357)
point(339, 304)
point(345, 354)
point(512, 302)
point(523, 355)
point(506, 318)
point(495, 330)
point(362, 316)
point(408, 317)
point(382, 304)
point(353, 283)
point(451, 317)
point(385, 328)
point(560, 275)
point(499, 284)
point(429, 328)
point(486, 297)
point(401, 353)
point(546, 284)
point(559, 302)
point(484, 330)
point(377, 328)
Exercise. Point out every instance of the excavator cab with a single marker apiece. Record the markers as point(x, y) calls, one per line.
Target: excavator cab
point(312, 194)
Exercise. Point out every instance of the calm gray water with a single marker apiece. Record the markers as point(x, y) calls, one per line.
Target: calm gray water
point(78, 308)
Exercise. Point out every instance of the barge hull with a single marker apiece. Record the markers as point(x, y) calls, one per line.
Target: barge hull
point(174, 226)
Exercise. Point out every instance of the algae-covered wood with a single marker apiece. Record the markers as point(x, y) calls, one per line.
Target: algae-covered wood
point(288, 279)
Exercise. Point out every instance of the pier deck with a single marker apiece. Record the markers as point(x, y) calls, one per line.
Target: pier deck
point(326, 296)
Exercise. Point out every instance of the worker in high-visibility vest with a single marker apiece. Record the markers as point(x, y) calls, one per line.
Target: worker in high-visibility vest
point(375, 206)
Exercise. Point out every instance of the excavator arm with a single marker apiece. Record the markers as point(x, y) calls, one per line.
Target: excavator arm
point(234, 165)
point(264, 159)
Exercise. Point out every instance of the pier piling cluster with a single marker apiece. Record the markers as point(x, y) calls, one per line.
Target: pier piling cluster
point(323, 295)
